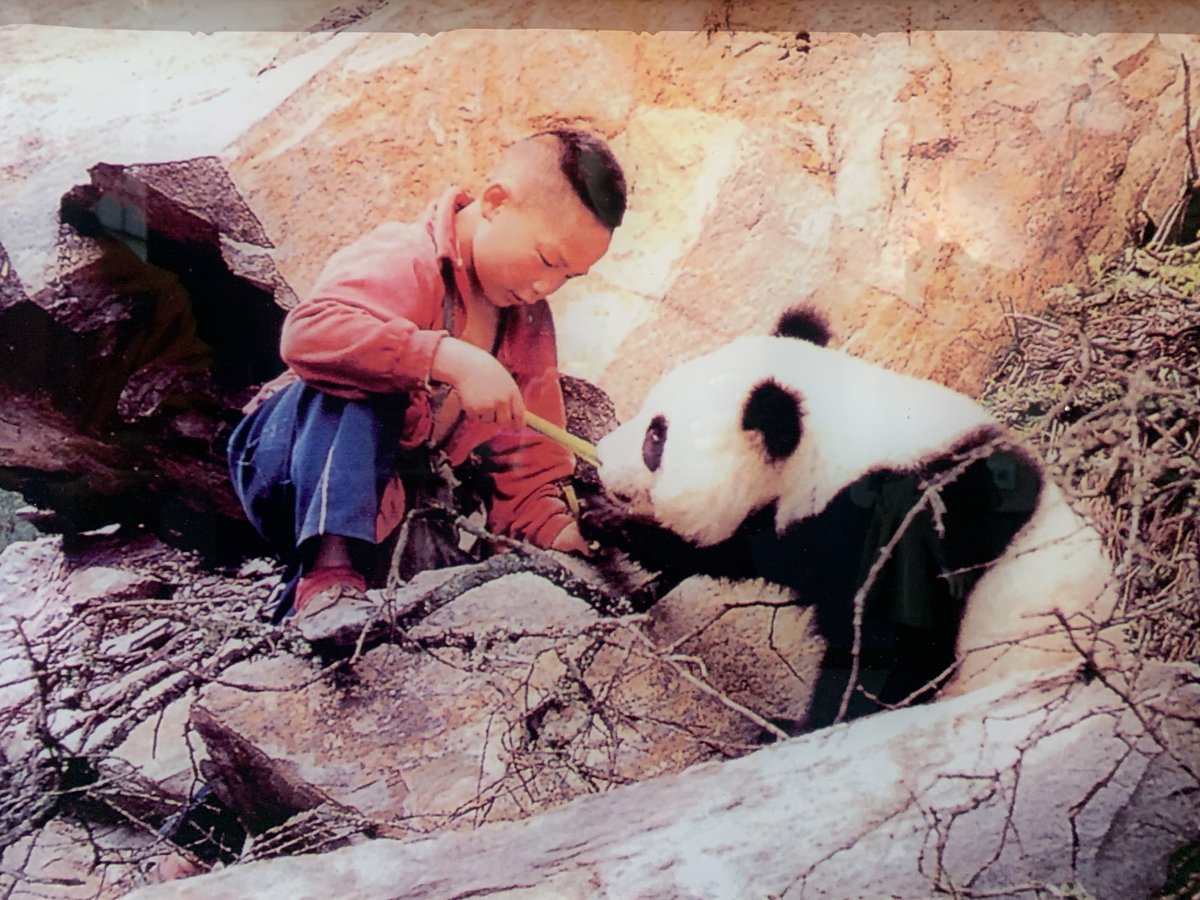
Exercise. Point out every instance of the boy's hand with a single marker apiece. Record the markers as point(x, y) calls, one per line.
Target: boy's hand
point(484, 387)
point(569, 540)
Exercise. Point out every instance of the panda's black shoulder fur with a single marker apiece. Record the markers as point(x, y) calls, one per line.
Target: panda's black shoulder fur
point(913, 603)
point(803, 323)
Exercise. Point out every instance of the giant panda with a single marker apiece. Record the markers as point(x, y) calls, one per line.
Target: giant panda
point(780, 458)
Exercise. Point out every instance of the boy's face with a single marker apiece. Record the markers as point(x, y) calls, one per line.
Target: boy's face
point(524, 250)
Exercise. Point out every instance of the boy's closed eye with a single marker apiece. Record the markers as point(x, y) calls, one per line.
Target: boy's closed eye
point(548, 262)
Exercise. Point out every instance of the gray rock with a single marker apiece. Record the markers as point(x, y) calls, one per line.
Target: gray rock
point(511, 698)
point(1057, 783)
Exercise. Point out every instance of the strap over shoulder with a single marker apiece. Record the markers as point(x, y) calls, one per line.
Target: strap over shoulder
point(450, 297)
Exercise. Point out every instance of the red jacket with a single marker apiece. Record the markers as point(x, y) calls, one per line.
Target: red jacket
point(371, 325)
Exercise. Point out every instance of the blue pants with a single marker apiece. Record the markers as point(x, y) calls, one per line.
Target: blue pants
point(307, 463)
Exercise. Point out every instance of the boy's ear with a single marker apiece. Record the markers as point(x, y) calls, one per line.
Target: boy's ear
point(494, 196)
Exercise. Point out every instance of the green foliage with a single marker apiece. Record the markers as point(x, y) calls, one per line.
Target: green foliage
point(13, 529)
point(1183, 874)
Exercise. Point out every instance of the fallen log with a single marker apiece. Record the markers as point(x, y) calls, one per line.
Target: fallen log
point(1025, 788)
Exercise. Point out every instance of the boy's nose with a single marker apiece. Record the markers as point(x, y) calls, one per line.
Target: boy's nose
point(548, 284)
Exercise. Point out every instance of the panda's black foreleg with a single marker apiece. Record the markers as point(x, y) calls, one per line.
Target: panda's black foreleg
point(915, 600)
point(904, 639)
point(898, 665)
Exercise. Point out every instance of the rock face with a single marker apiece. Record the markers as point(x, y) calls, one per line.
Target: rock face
point(918, 187)
point(758, 648)
point(1067, 786)
point(523, 698)
point(159, 319)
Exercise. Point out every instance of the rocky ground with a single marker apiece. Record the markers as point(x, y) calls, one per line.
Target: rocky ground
point(133, 674)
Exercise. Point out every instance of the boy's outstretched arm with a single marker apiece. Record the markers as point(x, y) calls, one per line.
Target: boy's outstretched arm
point(528, 470)
point(485, 389)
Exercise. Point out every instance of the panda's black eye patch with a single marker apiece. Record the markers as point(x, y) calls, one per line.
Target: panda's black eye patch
point(653, 443)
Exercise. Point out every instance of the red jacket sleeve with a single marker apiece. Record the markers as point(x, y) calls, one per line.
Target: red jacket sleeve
point(527, 469)
point(372, 321)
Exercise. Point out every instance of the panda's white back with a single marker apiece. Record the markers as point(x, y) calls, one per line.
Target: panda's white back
point(859, 417)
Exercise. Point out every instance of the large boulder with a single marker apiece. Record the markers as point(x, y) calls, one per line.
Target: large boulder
point(918, 186)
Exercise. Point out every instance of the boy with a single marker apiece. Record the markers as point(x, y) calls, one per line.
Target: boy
point(426, 339)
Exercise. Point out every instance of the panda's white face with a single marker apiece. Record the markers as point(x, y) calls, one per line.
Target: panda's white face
point(700, 455)
point(685, 460)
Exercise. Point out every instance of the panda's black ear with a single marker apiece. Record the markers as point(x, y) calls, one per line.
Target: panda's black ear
point(774, 411)
point(804, 324)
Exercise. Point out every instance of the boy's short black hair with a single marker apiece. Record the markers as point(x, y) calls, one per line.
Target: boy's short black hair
point(593, 174)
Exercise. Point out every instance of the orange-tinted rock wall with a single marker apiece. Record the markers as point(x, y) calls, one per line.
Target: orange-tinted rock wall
point(917, 187)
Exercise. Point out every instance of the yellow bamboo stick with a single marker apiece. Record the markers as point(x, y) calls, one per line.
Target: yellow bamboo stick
point(577, 445)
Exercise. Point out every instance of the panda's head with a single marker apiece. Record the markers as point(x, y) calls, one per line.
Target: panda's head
point(777, 420)
point(709, 444)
